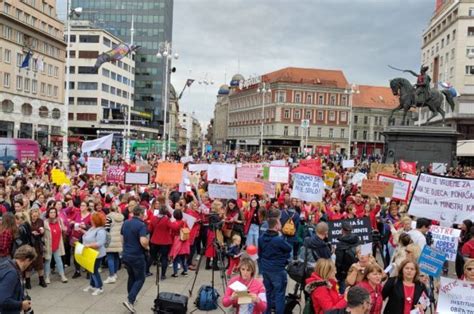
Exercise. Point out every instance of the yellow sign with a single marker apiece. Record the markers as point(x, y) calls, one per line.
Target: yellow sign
point(87, 258)
point(59, 177)
point(329, 177)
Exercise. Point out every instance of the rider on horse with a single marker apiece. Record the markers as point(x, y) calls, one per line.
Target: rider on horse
point(422, 85)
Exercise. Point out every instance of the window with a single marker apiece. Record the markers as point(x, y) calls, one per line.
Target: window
point(320, 99)
point(86, 101)
point(287, 114)
point(281, 96)
point(344, 101)
point(308, 114)
point(375, 136)
point(50, 70)
point(469, 69)
point(6, 8)
point(86, 86)
point(364, 135)
point(86, 70)
point(34, 86)
point(106, 41)
point(355, 135)
point(50, 90)
point(297, 114)
point(285, 131)
point(86, 117)
point(343, 116)
point(356, 119)
point(86, 54)
point(320, 115)
point(452, 53)
point(19, 59)
point(105, 88)
point(319, 132)
point(470, 31)
point(105, 72)
point(43, 88)
point(331, 133)
point(56, 71)
point(113, 76)
point(366, 120)
point(27, 85)
point(6, 80)
point(88, 38)
point(343, 133)
point(442, 43)
point(454, 34)
point(113, 90)
point(333, 100)
point(19, 83)
point(309, 98)
point(332, 116)
point(7, 56)
point(297, 131)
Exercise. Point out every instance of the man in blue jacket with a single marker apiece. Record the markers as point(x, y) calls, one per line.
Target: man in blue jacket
point(273, 255)
point(11, 290)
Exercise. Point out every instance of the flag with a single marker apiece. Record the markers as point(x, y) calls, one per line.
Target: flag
point(100, 143)
point(450, 88)
point(189, 82)
point(26, 61)
point(115, 54)
point(407, 166)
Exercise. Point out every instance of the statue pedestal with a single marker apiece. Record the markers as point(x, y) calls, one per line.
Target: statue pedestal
point(424, 144)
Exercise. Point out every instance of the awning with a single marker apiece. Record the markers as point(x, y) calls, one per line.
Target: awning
point(465, 148)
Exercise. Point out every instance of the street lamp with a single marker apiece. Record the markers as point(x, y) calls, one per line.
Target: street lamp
point(71, 14)
point(165, 52)
point(353, 89)
point(263, 90)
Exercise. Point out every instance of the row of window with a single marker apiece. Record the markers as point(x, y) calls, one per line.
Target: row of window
point(440, 45)
point(442, 25)
point(296, 131)
point(114, 91)
point(115, 76)
point(298, 98)
point(365, 120)
point(377, 136)
point(28, 85)
point(320, 115)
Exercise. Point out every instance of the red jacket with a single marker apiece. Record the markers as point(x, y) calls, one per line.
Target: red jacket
point(160, 230)
point(468, 249)
point(254, 286)
point(324, 294)
point(375, 296)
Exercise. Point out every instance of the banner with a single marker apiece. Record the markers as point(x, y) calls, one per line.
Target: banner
point(446, 199)
point(252, 188)
point(323, 150)
point(401, 187)
point(307, 188)
point(408, 166)
point(314, 166)
point(169, 173)
point(360, 227)
point(221, 172)
point(95, 165)
point(247, 174)
point(279, 174)
point(222, 191)
point(115, 174)
point(141, 178)
point(257, 166)
point(98, 144)
point(431, 261)
point(446, 240)
point(377, 188)
point(455, 296)
point(197, 167)
point(348, 163)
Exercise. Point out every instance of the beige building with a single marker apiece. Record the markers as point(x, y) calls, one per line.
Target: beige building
point(448, 49)
point(192, 133)
point(220, 123)
point(31, 98)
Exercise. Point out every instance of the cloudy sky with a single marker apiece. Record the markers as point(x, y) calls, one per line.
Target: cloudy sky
point(218, 38)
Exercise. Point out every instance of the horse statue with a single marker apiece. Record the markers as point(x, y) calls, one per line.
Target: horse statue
point(403, 88)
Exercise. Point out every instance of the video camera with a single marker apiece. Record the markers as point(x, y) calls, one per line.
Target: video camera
point(215, 222)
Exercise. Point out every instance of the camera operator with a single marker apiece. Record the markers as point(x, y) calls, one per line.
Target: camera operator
point(420, 235)
point(12, 297)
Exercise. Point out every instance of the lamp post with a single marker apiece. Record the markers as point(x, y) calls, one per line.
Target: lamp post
point(350, 91)
point(71, 13)
point(130, 101)
point(263, 90)
point(165, 52)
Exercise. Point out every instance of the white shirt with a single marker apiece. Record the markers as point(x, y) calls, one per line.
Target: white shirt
point(418, 238)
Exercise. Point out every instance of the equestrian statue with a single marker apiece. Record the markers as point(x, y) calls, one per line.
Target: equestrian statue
point(420, 95)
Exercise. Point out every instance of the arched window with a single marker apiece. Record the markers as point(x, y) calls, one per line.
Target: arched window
point(26, 109)
point(43, 112)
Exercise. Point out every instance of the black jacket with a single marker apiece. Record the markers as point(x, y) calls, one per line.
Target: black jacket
point(393, 290)
point(11, 290)
point(345, 254)
point(318, 249)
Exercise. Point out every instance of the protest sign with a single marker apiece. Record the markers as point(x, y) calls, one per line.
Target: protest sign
point(247, 174)
point(329, 177)
point(314, 165)
point(407, 166)
point(169, 173)
point(115, 174)
point(381, 168)
point(401, 187)
point(221, 172)
point(438, 167)
point(279, 174)
point(85, 256)
point(186, 159)
point(455, 296)
point(278, 163)
point(431, 261)
point(269, 188)
point(252, 188)
point(412, 178)
point(95, 165)
point(141, 178)
point(59, 177)
point(222, 191)
point(307, 188)
point(348, 163)
point(360, 227)
point(445, 240)
point(185, 184)
point(190, 220)
point(358, 177)
point(257, 166)
point(446, 199)
point(197, 167)
point(377, 188)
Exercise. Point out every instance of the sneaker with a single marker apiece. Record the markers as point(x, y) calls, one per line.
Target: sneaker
point(88, 288)
point(46, 279)
point(174, 275)
point(184, 274)
point(197, 257)
point(129, 306)
point(115, 276)
point(179, 266)
point(98, 291)
point(110, 280)
point(163, 277)
point(77, 274)
point(63, 278)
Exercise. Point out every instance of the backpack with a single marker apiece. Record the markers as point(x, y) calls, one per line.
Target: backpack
point(184, 233)
point(207, 298)
point(289, 228)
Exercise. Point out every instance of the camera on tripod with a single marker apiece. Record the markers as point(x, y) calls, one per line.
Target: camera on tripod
point(215, 222)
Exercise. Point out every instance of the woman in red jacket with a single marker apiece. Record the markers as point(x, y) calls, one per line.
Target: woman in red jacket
point(161, 239)
point(181, 247)
point(321, 286)
point(372, 282)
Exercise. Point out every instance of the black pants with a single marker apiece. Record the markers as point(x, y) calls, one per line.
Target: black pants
point(162, 251)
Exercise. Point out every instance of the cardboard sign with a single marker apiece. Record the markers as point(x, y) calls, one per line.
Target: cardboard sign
point(307, 187)
point(431, 261)
point(348, 163)
point(279, 174)
point(185, 184)
point(245, 174)
point(140, 178)
point(446, 240)
point(252, 188)
point(448, 200)
point(360, 227)
point(85, 257)
point(455, 296)
point(221, 172)
point(401, 187)
point(281, 163)
point(382, 168)
point(377, 188)
point(95, 165)
point(197, 167)
point(115, 174)
point(169, 173)
point(222, 191)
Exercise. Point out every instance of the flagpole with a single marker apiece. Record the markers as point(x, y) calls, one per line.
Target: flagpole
point(130, 100)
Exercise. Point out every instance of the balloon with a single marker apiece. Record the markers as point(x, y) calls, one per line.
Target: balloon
point(251, 250)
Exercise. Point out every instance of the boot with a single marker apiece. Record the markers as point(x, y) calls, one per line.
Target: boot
point(27, 283)
point(208, 263)
point(42, 282)
point(77, 274)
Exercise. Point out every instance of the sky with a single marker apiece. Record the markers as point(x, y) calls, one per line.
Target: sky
point(216, 39)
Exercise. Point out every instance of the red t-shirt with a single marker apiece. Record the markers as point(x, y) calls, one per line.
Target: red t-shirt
point(55, 235)
point(409, 294)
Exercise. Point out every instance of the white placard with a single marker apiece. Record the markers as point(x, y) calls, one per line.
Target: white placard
point(445, 199)
point(348, 163)
point(438, 167)
point(78, 248)
point(401, 187)
point(307, 188)
point(190, 220)
point(222, 172)
point(185, 159)
point(142, 178)
point(222, 191)
point(279, 174)
point(446, 240)
point(455, 296)
point(95, 165)
point(185, 185)
point(366, 249)
point(198, 167)
point(358, 178)
point(412, 178)
point(281, 162)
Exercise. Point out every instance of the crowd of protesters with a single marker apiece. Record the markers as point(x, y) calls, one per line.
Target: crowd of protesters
point(52, 218)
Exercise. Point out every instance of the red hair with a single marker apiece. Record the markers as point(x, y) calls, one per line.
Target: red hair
point(98, 219)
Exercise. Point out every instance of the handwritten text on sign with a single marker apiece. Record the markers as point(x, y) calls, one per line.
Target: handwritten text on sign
point(377, 188)
point(279, 174)
point(221, 172)
point(307, 188)
point(401, 187)
point(222, 191)
point(455, 296)
point(446, 199)
point(446, 240)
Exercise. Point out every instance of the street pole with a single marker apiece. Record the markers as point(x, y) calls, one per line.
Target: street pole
point(130, 100)
point(350, 92)
point(65, 158)
point(163, 155)
point(262, 90)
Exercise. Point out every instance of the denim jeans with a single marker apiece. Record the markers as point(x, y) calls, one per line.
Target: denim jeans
point(95, 280)
point(136, 267)
point(182, 260)
point(58, 261)
point(252, 236)
point(113, 261)
point(275, 285)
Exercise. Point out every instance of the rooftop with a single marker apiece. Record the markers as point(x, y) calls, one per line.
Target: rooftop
point(376, 97)
point(321, 77)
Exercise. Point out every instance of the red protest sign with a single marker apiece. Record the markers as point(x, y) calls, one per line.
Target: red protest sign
point(115, 174)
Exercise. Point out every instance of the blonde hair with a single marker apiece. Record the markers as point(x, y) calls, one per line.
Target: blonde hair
point(236, 237)
point(22, 216)
point(415, 249)
point(469, 262)
point(216, 206)
point(324, 267)
point(248, 262)
point(405, 219)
